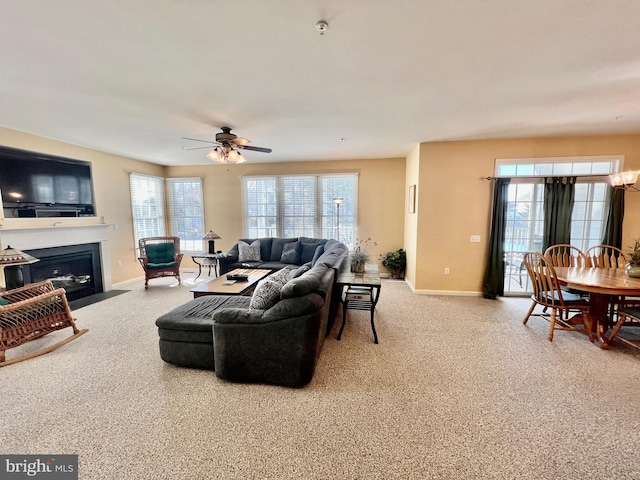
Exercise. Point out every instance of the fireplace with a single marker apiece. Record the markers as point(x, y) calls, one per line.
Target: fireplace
point(76, 268)
point(66, 241)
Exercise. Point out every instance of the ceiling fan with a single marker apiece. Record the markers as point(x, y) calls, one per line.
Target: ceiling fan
point(225, 148)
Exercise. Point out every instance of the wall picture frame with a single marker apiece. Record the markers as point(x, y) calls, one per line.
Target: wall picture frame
point(412, 199)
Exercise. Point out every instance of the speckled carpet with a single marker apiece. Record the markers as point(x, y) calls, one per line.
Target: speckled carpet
point(457, 388)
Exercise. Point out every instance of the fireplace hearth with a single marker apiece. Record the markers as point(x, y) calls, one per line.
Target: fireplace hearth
point(76, 268)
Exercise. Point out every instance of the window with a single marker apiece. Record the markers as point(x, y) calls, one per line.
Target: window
point(186, 212)
point(525, 206)
point(300, 205)
point(147, 203)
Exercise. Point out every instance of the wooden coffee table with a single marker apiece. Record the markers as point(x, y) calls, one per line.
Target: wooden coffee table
point(217, 286)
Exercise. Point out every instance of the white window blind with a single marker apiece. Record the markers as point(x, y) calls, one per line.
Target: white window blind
point(300, 205)
point(298, 199)
point(339, 222)
point(260, 201)
point(186, 212)
point(147, 203)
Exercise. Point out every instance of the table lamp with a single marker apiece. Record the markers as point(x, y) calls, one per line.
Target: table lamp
point(12, 261)
point(211, 238)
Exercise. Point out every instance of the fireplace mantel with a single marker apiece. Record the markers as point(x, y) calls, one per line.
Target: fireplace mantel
point(30, 238)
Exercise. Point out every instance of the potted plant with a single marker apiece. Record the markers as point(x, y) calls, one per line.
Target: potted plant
point(360, 256)
point(395, 262)
point(633, 260)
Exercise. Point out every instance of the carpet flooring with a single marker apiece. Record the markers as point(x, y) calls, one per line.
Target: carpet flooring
point(457, 388)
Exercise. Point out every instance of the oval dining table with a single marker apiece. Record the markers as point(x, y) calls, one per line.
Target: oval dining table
point(603, 285)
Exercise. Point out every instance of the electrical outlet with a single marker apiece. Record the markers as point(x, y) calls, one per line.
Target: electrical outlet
point(119, 263)
point(115, 226)
point(446, 270)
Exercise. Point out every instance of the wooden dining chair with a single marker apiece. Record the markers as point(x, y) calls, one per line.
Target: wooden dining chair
point(548, 294)
point(628, 316)
point(564, 255)
point(605, 256)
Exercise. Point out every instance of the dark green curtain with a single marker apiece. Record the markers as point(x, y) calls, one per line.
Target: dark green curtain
point(493, 284)
point(613, 223)
point(559, 195)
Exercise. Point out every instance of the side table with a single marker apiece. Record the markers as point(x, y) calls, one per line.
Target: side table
point(359, 291)
point(206, 260)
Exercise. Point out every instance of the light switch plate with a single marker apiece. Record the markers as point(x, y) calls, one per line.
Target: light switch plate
point(475, 238)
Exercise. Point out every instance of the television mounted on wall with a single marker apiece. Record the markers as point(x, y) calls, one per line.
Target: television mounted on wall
point(42, 185)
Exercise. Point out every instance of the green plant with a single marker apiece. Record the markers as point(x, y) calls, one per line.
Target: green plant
point(359, 256)
point(633, 257)
point(395, 262)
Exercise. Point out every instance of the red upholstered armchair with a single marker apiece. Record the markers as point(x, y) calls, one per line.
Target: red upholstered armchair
point(160, 257)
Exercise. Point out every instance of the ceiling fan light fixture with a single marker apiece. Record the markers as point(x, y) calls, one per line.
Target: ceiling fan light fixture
point(233, 156)
point(214, 155)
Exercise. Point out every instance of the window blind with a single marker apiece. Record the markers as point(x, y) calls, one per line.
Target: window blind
point(186, 212)
point(147, 203)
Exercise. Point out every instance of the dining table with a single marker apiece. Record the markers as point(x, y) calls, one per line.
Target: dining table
point(604, 285)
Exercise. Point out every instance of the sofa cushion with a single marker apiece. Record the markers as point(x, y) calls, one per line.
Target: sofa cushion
point(300, 270)
point(333, 251)
point(295, 307)
point(160, 252)
point(308, 282)
point(266, 294)
point(313, 241)
point(317, 254)
point(249, 253)
point(307, 251)
point(291, 253)
point(277, 245)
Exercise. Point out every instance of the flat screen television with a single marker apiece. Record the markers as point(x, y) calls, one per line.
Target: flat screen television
point(41, 185)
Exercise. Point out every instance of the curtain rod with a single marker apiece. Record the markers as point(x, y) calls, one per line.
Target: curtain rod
point(587, 175)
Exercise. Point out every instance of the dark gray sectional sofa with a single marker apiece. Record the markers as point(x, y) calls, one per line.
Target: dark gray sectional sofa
point(271, 250)
point(278, 345)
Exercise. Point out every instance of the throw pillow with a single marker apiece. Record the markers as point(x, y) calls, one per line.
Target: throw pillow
point(282, 276)
point(4, 301)
point(249, 253)
point(291, 253)
point(266, 295)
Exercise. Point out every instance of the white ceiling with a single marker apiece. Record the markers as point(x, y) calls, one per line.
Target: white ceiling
point(133, 77)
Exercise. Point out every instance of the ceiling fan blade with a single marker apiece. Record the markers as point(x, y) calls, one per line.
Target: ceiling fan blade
point(240, 141)
point(255, 149)
point(199, 148)
point(198, 140)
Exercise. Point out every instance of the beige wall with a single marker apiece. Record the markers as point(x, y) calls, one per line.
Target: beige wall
point(112, 197)
point(455, 200)
point(380, 196)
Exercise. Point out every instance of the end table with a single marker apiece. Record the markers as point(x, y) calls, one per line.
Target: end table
point(362, 293)
point(206, 260)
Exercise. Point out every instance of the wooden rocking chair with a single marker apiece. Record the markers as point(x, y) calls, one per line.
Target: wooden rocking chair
point(32, 312)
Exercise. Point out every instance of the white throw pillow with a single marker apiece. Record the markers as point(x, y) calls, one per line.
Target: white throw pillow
point(249, 253)
point(266, 295)
point(282, 276)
